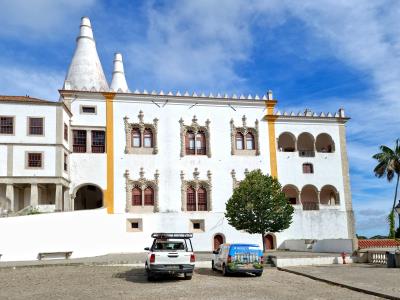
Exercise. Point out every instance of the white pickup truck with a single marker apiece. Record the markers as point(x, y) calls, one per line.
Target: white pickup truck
point(171, 253)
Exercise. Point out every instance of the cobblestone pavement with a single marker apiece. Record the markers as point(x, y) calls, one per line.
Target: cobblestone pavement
point(106, 282)
point(375, 278)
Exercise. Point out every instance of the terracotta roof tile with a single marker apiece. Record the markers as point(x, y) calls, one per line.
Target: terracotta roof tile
point(22, 99)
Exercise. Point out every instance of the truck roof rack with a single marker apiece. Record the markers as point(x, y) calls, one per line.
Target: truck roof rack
point(171, 235)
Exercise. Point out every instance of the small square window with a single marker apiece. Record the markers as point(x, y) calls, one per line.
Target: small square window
point(134, 225)
point(36, 126)
point(34, 160)
point(196, 226)
point(85, 109)
point(6, 125)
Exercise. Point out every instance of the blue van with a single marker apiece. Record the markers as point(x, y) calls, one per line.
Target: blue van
point(238, 258)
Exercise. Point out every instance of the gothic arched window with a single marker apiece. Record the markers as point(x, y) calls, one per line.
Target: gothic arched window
point(191, 199)
point(202, 199)
point(239, 141)
point(147, 138)
point(250, 141)
point(148, 196)
point(136, 196)
point(136, 138)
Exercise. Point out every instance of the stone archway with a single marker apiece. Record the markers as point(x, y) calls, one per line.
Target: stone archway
point(218, 240)
point(270, 243)
point(88, 196)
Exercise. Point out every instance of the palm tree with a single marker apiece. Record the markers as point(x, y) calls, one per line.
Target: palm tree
point(389, 165)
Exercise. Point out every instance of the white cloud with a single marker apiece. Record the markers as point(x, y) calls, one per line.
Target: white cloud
point(22, 80)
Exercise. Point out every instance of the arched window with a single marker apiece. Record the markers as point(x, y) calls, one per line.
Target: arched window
point(147, 138)
point(308, 168)
point(239, 141)
point(329, 195)
point(148, 196)
point(250, 141)
point(201, 143)
point(190, 199)
point(309, 198)
point(287, 142)
point(305, 145)
point(136, 138)
point(202, 199)
point(324, 143)
point(190, 142)
point(291, 193)
point(136, 196)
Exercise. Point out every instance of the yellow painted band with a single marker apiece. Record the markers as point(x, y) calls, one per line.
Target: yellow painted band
point(270, 104)
point(109, 192)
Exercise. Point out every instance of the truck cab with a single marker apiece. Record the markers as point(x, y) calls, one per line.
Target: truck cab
point(170, 253)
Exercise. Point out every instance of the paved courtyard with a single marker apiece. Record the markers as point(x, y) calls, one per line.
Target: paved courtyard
point(375, 278)
point(106, 282)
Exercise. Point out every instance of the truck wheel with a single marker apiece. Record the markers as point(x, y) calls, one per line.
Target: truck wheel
point(225, 270)
point(150, 276)
point(188, 276)
point(212, 266)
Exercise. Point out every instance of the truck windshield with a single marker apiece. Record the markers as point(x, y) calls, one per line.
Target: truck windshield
point(169, 246)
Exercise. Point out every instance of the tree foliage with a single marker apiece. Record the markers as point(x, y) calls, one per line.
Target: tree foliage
point(258, 205)
point(389, 166)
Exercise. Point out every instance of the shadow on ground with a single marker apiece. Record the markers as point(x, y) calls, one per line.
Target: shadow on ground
point(140, 276)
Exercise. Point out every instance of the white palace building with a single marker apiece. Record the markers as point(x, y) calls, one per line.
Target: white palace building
point(107, 166)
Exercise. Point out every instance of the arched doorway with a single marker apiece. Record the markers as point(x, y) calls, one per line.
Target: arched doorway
point(269, 242)
point(218, 240)
point(88, 197)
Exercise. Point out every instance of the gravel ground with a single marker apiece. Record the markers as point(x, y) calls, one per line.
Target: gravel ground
point(98, 282)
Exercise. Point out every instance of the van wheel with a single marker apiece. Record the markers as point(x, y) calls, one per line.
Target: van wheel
point(212, 266)
point(188, 276)
point(225, 271)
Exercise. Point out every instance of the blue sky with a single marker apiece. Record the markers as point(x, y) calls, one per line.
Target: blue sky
point(320, 55)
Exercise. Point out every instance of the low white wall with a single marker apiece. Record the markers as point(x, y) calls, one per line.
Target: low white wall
point(326, 245)
point(310, 261)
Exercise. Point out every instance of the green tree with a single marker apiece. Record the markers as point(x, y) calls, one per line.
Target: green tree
point(389, 165)
point(258, 205)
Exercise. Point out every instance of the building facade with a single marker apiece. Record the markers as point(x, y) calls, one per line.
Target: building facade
point(127, 164)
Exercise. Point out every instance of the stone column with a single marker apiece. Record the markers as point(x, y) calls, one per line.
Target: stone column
point(59, 197)
point(34, 195)
point(89, 141)
point(10, 196)
point(67, 200)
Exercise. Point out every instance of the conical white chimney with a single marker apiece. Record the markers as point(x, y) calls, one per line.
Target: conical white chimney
point(118, 83)
point(85, 71)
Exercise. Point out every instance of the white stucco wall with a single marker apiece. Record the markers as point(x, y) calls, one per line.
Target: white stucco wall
point(3, 160)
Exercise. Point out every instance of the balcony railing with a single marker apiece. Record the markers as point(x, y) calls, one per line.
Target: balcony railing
point(190, 151)
point(201, 151)
point(310, 206)
point(98, 149)
point(191, 207)
point(79, 148)
point(202, 207)
point(198, 151)
point(306, 153)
